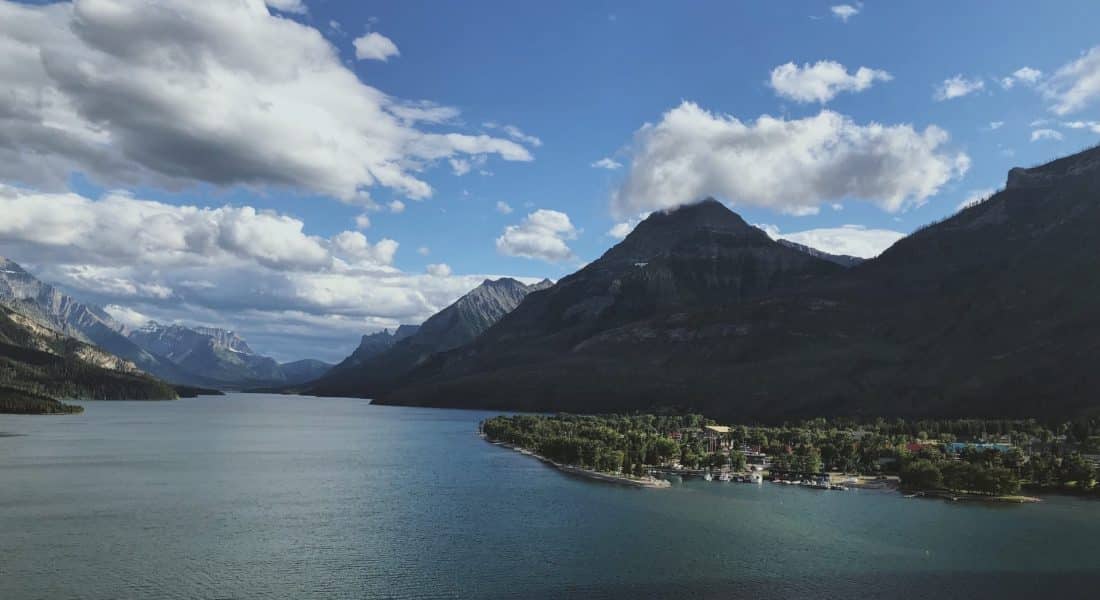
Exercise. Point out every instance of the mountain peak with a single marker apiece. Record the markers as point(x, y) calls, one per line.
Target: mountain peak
point(663, 231)
point(10, 267)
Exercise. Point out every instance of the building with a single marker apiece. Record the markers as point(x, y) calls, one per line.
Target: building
point(717, 438)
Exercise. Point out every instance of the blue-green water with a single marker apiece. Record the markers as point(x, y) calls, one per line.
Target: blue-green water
point(254, 496)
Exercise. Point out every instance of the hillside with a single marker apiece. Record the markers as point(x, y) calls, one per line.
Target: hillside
point(51, 308)
point(990, 312)
point(40, 367)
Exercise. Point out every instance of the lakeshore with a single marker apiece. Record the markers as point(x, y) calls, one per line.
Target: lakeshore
point(968, 460)
point(620, 479)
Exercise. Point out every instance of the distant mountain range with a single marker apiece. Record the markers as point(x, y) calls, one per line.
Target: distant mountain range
point(384, 357)
point(194, 356)
point(991, 312)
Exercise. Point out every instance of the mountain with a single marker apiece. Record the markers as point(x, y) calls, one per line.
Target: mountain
point(991, 312)
point(373, 344)
point(216, 355)
point(48, 306)
point(40, 367)
point(305, 370)
point(381, 358)
point(206, 357)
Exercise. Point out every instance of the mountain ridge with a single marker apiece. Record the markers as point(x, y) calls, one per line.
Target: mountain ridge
point(989, 312)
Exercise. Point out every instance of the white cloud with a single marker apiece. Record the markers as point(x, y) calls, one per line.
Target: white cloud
point(1075, 85)
point(1093, 126)
point(362, 221)
point(1025, 75)
point(397, 206)
point(176, 93)
point(438, 270)
point(836, 206)
point(119, 228)
point(504, 208)
point(127, 316)
point(375, 46)
point(288, 6)
point(975, 197)
point(423, 251)
point(995, 125)
point(354, 246)
point(1046, 134)
point(607, 163)
point(515, 133)
point(623, 229)
point(541, 235)
point(290, 293)
point(459, 166)
point(850, 240)
point(957, 87)
point(786, 165)
point(822, 81)
point(844, 11)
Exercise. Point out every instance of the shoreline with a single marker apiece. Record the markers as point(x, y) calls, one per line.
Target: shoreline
point(645, 483)
point(963, 497)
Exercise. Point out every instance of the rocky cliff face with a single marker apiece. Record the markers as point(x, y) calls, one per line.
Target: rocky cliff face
point(218, 355)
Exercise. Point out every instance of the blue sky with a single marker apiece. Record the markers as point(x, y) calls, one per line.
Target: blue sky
point(579, 81)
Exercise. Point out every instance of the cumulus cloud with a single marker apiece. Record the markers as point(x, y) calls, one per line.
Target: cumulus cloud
point(375, 46)
point(1075, 85)
point(822, 81)
point(1046, 134)
point(995, 125)
point(362, 221)
point(844, 11)
point(504, 208)
point(850, 240)
point(957, 87)
point(789, 165)
point(438, 270)
point(119, 228)
point(176, 93)
point(290, 293)
point(541, 235)
point(396, 206)
point(607, 163)
point(623, 229)
point(1024, 75)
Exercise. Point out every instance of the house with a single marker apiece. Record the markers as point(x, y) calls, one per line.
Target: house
point(717, 437)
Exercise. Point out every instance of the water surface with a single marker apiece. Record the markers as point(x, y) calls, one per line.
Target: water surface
point(259, 496)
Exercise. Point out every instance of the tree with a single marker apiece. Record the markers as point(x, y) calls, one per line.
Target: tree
point(737, 461)
point(921, 474)
point(1075, 469)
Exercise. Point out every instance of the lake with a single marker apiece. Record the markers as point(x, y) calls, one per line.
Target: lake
point(263, 496)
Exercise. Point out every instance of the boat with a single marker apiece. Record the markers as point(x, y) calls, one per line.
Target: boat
point(707, 477)
point(756, 478)
point(724, 476)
